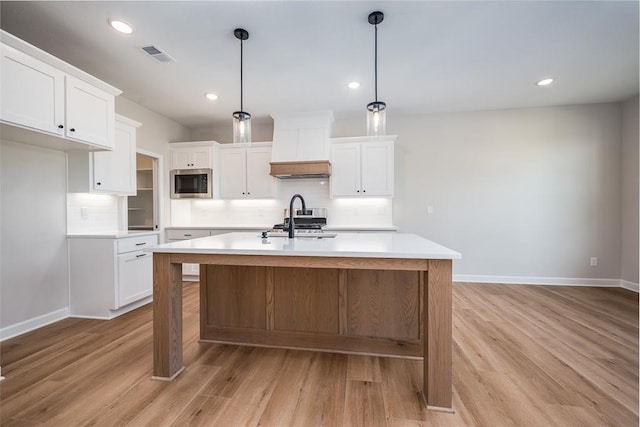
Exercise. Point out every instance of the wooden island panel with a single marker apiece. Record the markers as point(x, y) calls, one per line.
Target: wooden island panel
point(354, 311)
point(383, 304)
point(306, 300)
point(238, 298)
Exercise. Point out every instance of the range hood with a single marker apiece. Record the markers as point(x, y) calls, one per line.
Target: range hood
point(301, 169)
point(301, 145)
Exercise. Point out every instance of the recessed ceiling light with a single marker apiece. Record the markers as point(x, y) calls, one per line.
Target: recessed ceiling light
point(211, 96)
point(354, 85)
point(545, 82)
point(121, 26)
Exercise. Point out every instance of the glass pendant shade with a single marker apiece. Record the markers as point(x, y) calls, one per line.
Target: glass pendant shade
point(376, 118)
point(241, 127)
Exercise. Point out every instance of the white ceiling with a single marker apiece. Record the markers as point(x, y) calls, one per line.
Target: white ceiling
point(433, 56)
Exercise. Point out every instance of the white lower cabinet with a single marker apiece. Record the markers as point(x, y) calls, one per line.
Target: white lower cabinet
point(109, 276)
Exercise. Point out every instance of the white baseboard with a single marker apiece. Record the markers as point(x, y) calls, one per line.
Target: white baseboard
point(547, 281)
point(630, 285)
point(31, 324)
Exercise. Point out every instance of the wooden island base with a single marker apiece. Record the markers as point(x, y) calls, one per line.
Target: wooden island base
point(378, 306)
point(375, 312)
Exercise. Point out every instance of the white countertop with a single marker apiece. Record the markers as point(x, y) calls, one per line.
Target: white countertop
point(112, 234)
point(359, 245)
point(270, 226)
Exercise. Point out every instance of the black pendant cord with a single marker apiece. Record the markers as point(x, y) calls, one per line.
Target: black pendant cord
point(241, 108)
point(376, 61)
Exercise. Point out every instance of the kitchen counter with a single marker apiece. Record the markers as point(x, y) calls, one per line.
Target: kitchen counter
point(112, 234)
point(359, 245)
point(381, 293)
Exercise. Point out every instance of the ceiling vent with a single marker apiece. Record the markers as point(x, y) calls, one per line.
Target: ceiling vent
point(157, 54)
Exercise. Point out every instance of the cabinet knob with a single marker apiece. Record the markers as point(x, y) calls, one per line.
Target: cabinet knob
point(243, 193)
point(357, 191)
point(60, 127)
point(364, 191)
point(98, 183)
point(72, 129)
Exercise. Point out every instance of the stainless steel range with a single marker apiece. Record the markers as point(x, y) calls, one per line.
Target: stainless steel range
point(309, 224)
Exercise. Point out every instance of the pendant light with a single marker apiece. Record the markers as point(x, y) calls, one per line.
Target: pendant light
point(376, 110)
point(241, 119)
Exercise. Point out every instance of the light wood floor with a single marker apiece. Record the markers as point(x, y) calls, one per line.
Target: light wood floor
point(523, 356)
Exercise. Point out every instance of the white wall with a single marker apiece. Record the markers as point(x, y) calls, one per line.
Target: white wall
point(33, 272)
point(630, 215)
point(527, 192)
point(261, 131)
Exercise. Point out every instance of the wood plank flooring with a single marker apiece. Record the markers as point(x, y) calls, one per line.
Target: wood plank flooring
point(522, 356)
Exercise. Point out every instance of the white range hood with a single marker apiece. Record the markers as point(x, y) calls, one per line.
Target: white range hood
point(301, 145)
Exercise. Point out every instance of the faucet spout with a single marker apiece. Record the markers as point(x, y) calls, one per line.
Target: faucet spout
point(291, 220)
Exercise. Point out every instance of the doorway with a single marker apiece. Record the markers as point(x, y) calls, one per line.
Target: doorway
point(142, 209)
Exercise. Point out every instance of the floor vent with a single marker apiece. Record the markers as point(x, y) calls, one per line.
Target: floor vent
point(157, 54)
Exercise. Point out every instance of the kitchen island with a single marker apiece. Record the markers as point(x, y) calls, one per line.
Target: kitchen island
point(379, 294)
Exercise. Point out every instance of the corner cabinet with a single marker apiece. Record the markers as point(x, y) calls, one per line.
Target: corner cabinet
point(245, 171)
point(362, 166)
point(51, 98)
point(109, 275)
point(109, 172)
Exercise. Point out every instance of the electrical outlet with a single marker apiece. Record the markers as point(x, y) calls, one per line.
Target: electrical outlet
point(84, 213)
point(429, 209)
point(594, 261)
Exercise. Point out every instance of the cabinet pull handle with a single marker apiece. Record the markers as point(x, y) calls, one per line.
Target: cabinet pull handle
point(141, 255)
point(140, 244)
point(187, 235)
point(60, 127)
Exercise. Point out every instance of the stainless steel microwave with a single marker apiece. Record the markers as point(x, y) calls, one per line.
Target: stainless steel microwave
point(191, 184)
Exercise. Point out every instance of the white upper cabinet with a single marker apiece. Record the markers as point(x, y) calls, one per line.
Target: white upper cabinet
point(192, 157)
point(90, 113)
point(244, 172)
point(49, 97)
point(32, 92)
point(110, 172)
point(362, 167)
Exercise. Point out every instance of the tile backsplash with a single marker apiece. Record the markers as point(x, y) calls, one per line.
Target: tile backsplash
point(91, 213)
point(342, 212)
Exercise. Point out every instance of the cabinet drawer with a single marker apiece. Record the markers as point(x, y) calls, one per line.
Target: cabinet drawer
point(186, 234)
point(135, 277)
point(136, 243)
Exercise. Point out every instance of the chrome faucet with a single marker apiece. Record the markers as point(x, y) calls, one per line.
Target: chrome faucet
point(292, 224)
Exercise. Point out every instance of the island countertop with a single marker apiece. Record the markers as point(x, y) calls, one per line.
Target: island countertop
point(352, 245)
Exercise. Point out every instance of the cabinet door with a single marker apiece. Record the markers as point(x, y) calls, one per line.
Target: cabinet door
point(233, 173)
point(115, 171)
point(32, 92)
point(201, 158)
point(90, 114)
point(191, 158)
point(260, 185)
point(135, 277)
point(345, 169)
point(181, 159)
point(377, 169)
